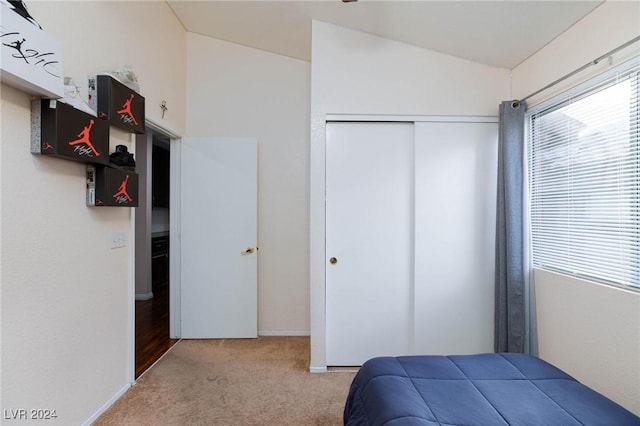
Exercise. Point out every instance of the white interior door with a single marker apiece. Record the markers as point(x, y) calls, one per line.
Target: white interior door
point(218, 215)
point(369, 217)
point(456, 172)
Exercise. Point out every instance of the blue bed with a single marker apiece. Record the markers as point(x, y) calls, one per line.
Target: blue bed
point(470, 390)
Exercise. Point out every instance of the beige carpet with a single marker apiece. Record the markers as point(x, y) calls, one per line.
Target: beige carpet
point(262, 381)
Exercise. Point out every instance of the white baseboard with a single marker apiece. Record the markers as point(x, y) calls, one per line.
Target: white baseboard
point(106, 406)
point(144, 296)
point(283, 333)
point(318, 369)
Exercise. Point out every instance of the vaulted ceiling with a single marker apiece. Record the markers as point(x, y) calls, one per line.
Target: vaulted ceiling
point(496, 33)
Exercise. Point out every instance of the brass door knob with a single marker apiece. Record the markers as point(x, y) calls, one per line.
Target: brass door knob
point(248, 250)
point(333, 261)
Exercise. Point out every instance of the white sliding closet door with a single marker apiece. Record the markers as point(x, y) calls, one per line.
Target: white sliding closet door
point(456, 170)
point(369, 234)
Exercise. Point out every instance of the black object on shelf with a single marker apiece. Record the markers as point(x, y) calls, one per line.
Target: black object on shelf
point(123, 158)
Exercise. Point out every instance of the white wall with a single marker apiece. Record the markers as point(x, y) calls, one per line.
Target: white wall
point(607, 27)
point(66, 327)
point(239, 91)
point(591, 331)
point(357, 73)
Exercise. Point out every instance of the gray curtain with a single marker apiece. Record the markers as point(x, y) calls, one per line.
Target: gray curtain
point(510, 308)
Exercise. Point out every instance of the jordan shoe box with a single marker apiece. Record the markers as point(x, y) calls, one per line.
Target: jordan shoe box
point(108, 186)
point(115, 102)
point(60, 130)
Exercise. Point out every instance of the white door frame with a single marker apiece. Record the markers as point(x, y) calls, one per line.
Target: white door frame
point(174, 259)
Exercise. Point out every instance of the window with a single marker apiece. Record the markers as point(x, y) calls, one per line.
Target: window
point(584, 182)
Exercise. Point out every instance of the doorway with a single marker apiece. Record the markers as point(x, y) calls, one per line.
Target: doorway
point(152, 288)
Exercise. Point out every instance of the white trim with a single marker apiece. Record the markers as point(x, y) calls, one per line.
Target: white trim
point(131, 290)
point(144, 296)
point(162, 128)
point(318, 370)
point(317, 249)
point(351, 369)
point(414, 118)
point(131, 293)
point(174, 224)
point(530, 329)
point(175, 303)
point(267, 333)
point(107, 405)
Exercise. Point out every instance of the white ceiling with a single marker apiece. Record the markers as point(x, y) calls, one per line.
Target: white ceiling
point(497, 33)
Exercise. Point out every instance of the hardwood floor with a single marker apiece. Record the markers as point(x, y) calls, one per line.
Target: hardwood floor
point(152, 329)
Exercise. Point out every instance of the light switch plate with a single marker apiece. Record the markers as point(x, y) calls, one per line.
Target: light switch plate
point(118, 239)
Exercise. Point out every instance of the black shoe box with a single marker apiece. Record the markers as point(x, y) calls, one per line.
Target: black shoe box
point(108, 186)
point(115, 102)
point(62, 131)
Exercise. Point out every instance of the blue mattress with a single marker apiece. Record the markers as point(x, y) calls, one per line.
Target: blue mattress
point(470, 390)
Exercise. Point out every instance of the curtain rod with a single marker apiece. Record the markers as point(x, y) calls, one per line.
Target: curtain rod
point(582, 68)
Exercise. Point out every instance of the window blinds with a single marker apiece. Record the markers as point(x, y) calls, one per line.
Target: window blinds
point(584, 183)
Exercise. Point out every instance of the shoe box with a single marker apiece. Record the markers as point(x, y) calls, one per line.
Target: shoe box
point(60, 130)
point(108, 186)
point(117, 103)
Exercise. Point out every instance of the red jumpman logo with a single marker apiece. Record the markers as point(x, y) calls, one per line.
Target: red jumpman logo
point(122, 189)
point(85, 138)
point(126, 109)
